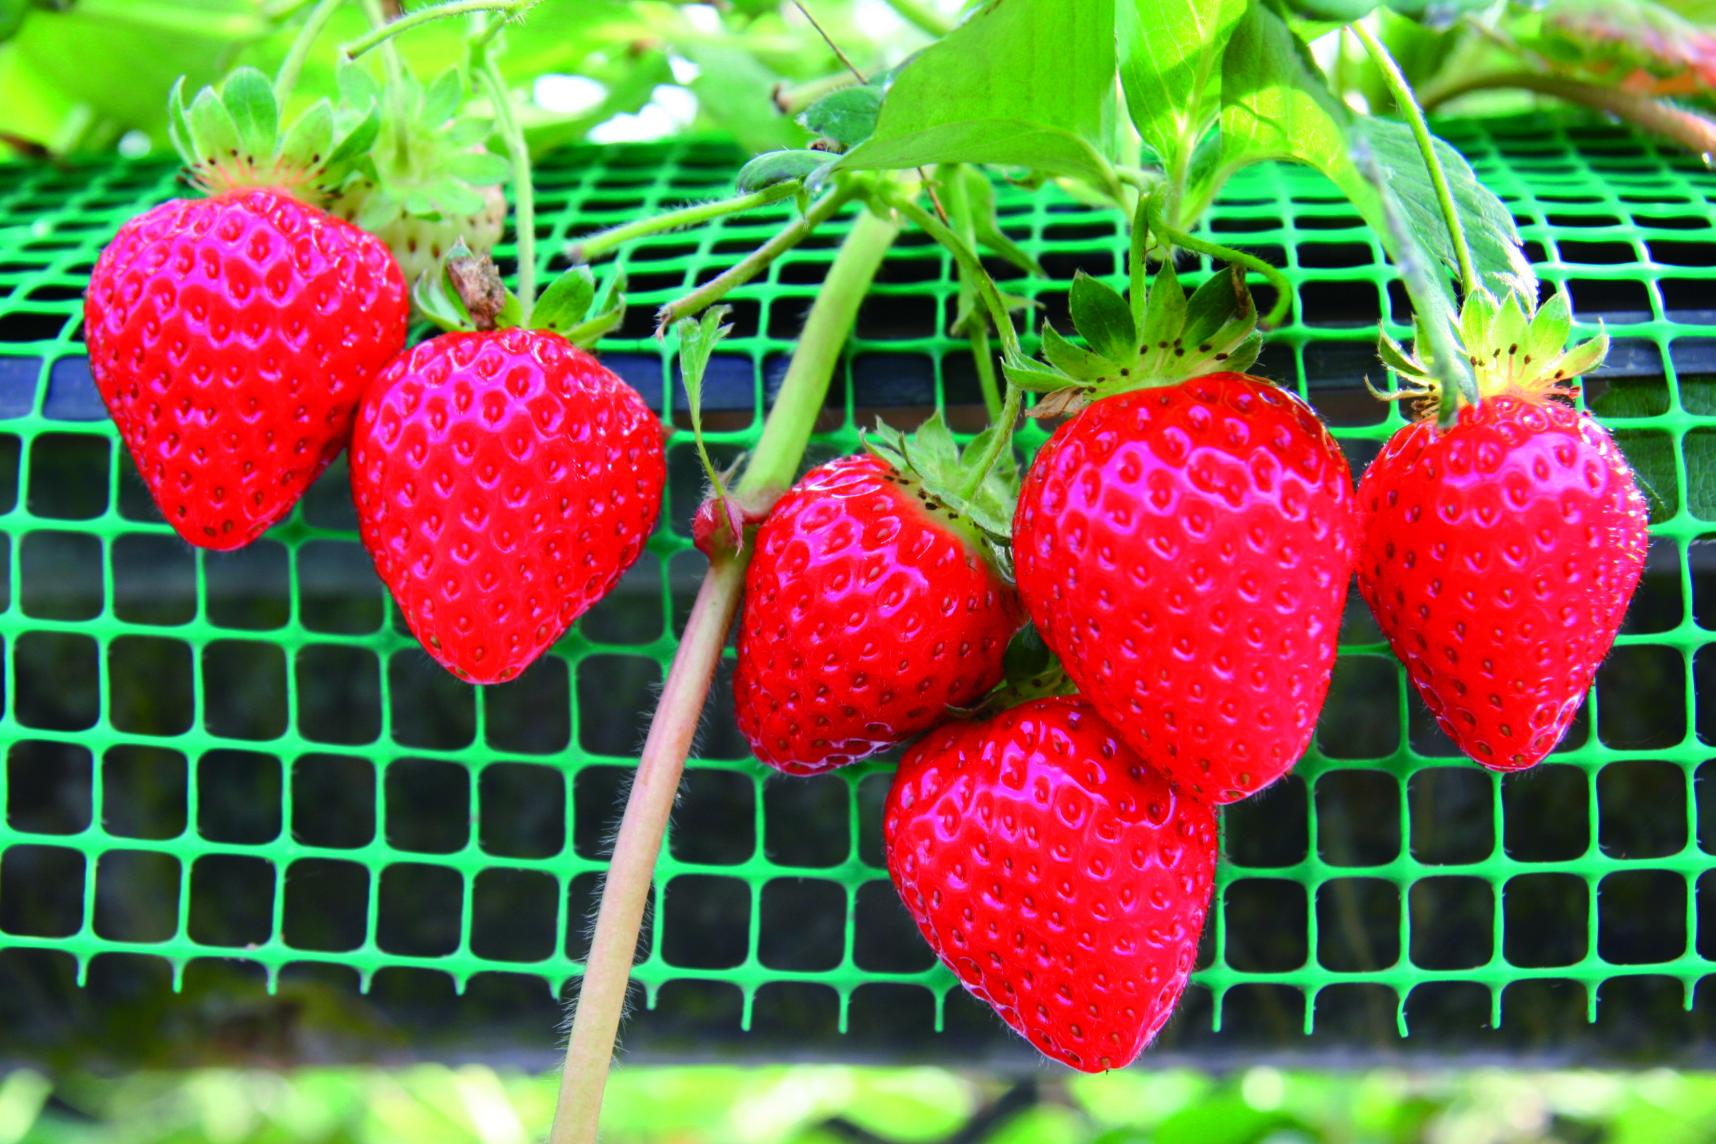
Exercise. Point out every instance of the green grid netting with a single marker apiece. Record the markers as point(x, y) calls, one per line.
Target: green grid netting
point(245, 757)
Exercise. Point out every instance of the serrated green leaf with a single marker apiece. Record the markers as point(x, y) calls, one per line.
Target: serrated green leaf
point(775, 167)
point(1074, 361)
point(310, 137)
point(566, 301)
point(249, 100)
point(1170, 69)
point(1103, 318)
point(846, 115)
point(1021, 82)
point(1275, 104)
point(1489, 225)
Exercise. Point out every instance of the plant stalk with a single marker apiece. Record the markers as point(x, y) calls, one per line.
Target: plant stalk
point(594, 246)
point(523, 197)
point(786, 433)
point(1283, 287)
point(1687, 128)
point(758, 260)
point(982, 355)
point(376, 36)
point(287, 77)
point(970, 264)
point(1407, 102)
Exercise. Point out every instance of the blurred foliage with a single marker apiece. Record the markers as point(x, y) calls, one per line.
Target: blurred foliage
point(80, 76)
point(818, 1104)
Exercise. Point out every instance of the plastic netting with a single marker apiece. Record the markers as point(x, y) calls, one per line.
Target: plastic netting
point(245, 756)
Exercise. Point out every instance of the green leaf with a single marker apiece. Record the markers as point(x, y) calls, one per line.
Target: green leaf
point(847, 116)
point(1021, 82)
point(249, 99)
point(980, 200)
point(310, 137)
point(1339, 11)
point(1171, 69)
point(1103, 318)
point(480, 168)
point(443, 98)
point(214, 135)
point(566, 301)
point(698, 338)
point(1586, 356)
point(774, 167)
point(1074, 361)
point(1164, 309)
point(1277, 105)
point(1223, 298)
point(1550, 328)
point(1033, 377)
point(609, 313)
point(1489, 225)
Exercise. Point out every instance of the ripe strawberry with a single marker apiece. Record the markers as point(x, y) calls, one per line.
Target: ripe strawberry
point(504, 481)
point(871, 606)
point(232, 337)
point(1185, 548)
point(1061, 879)
point(1499, 553)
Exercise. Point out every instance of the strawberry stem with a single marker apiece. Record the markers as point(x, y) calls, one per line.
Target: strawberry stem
point(377, 36)
point(1283, 288)
point(603, 242)
point(290, 67)
point(758, 260)
point(982, 355)
point(523, 197)
point(786, 433)
point(1407, 102)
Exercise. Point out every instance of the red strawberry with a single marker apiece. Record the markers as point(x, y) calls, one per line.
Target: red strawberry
point(1063, 881)
point(1499, 554)
point(504, 481)
point(232, 338)
point(870, 608)
point(1185, 550)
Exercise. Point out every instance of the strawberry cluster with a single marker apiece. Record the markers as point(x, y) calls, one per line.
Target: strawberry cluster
point(1182, 548)
point(504, 480)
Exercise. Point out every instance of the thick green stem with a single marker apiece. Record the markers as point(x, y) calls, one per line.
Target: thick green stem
point(786, 432)
point(1687, 128)
point(594, 246)
point(1283, 286)
point(982, 356)
point(287, 77)
point(523, 197)
point(922, 17)
point(418, 17)
point(758, 260)
point(1407, 102)
point(970, 264)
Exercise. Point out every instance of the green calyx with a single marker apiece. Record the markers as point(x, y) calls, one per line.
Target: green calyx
point(931, 462)
point(232, 138)
point(1143, 339)
point(1513, 347)
point(467, 294)
point(429, 162)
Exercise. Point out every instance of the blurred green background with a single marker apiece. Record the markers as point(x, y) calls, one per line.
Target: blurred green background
point(823, 1104)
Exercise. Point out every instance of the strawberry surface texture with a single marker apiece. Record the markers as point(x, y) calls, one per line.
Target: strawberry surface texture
point(869, 609)
point(1062, 880)
point(1498, 557)
point(232, 339)
point(504, 481)
point(1186, 551)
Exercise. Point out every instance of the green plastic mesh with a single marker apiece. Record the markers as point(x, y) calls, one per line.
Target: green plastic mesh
point(245, 757)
